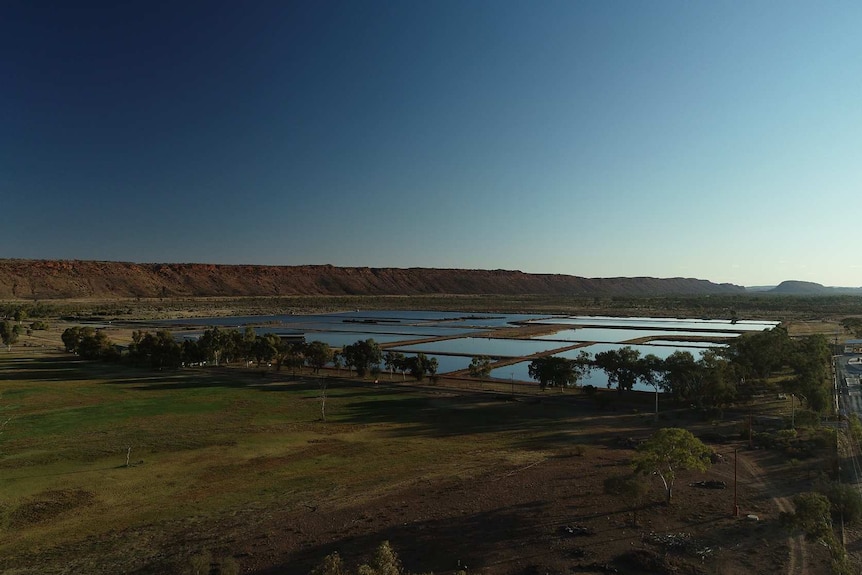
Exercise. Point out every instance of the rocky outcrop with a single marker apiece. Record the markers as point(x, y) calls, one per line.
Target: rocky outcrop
point(63, 279)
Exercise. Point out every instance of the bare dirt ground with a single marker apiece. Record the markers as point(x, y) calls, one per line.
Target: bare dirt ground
point(549, 516)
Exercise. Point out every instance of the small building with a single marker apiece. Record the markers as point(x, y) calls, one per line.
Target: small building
point(853, 346)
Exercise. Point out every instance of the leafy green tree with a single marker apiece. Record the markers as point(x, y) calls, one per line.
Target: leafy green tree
point(717, 385)
point(853, 325)
point(810, 358)
point(362, 355)
point(812, 515)
point(384, 562)
point(9, 333)
point(317, 355)
point(650, 369)
point(215, 343)
point(72, 337)
point(332, 564)
point(757, 355)
point(421, 365)
point(264, 348)
point(845, 501)
point(553, 371)
point(97, 345)
point(294, 355)
point(191, 352)
point(680, 376)
point(249, 346)
point(337, 361)
point(158, 350)
point(21, 314)
point(480, 367)
point(621, 365)
point(393, 360)
point(669, 450)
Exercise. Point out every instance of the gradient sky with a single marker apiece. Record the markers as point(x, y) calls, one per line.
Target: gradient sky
point(720, 139)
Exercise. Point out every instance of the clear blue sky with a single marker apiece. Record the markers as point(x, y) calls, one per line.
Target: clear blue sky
point(720, 139)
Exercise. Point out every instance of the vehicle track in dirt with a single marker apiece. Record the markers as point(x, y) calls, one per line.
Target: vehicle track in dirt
point(760, 482)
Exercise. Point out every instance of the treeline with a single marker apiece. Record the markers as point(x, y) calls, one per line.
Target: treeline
point(219, 346)
point(20, 312)
point(720, 377)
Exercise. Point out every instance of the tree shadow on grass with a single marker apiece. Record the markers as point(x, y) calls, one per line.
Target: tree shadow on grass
point(544, 424)
point(49, 368)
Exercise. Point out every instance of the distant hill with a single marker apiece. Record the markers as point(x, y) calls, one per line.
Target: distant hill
point(795, 287)
point(65, 279)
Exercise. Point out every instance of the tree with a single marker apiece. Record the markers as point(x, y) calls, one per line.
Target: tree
point(421, 365)
point(72, 338)
point(215, 343)
point(630, 488)
point(480, 367)
point(97, 345)
point(717, 384)
point(679, 376)
point(846, 501)
point(392, 360)
point(157, 350)
point(248, 345)
point(362, 355)
point(337, 361)
point(317, 355)
point(264, 348)
point(553, 371)
point(9, 333)
point(294, 355)
point(621, 366)
point(812, 515)
point(758, 355)
point(669, 450)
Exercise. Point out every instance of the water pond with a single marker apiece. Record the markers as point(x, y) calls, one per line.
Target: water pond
point(616, 335)
point(492, 347)
point(663, 323)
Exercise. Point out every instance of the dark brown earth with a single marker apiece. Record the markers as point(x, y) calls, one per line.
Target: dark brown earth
point(552, 517)
point(59, 279)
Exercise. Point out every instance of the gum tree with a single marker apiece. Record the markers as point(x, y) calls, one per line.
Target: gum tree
point(669, 450)
point(553, 371)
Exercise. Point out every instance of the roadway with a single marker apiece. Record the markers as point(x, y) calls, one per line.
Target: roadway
point(848, 396)
point(848, 389)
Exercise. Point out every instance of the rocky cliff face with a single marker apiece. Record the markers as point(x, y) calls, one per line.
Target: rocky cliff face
point(44, 279)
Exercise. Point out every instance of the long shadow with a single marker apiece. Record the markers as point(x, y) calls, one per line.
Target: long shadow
point(552, 419)
point(50, 368)
point(435, 545)
point(543, 423)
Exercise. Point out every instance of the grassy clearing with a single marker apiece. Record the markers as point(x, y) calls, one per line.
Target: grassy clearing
point(208, 444)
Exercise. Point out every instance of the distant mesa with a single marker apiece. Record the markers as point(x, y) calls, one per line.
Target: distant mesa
point(796, 287)
point(46, 279)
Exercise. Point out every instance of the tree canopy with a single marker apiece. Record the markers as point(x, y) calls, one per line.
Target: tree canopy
point(554, 371)
point(362, 355)
point(669, 450)
point(480, 366)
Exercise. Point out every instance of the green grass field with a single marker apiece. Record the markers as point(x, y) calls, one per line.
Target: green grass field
point(208, 444)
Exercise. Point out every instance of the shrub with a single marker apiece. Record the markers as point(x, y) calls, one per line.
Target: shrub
point(845, 500)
